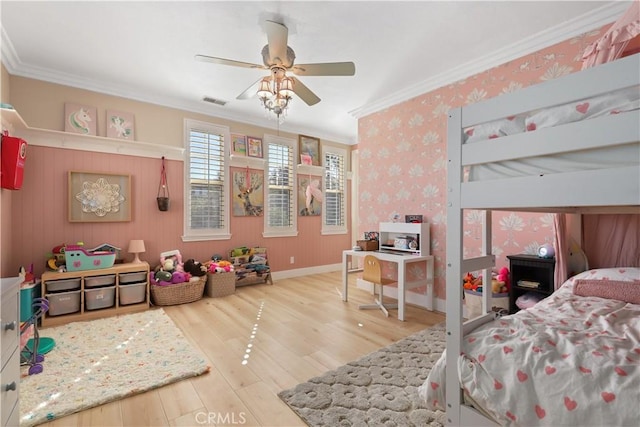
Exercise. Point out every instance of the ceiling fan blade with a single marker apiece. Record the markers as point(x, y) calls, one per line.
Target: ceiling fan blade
point(304, 92)
point(277, 35)
point(230, 62)
point(325, 69)
point(250, 91)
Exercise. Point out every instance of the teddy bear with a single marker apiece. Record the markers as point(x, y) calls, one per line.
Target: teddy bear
point(195, 268)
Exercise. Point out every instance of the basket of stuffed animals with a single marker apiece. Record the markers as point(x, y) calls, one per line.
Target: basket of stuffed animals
point(220, 284)
point(221, 279)
point(178, 293)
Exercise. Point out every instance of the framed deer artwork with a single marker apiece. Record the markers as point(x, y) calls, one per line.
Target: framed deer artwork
point(248, 192)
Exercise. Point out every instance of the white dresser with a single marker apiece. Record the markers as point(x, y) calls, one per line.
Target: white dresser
point(10, 330)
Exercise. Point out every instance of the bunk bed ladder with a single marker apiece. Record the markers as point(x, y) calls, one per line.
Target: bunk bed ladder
point(457, 414)
point(453, 303)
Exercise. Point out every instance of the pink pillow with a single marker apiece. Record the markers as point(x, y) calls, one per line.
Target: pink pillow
point(611, 289)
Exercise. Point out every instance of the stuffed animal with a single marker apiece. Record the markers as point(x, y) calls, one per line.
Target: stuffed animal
point(195, 268)
point(179, 277)
point(221, 266)
point(162, 276)
point(503, 276)
point(171, 261)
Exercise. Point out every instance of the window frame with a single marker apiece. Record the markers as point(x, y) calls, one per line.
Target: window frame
point(334, 229)
point(292, 230)
point(224, 233)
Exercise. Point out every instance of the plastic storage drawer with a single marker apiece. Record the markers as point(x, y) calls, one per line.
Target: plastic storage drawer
point(95, 281)
point(98, 298)
point(63, 285)
point(63, 303)
point(133, 293)
point(135, 277)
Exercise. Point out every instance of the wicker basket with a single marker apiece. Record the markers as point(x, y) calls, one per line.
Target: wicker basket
point(220, 284)
point(180, 293)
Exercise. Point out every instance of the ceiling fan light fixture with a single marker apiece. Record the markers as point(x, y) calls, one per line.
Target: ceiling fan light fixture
point(286, 87)
point(265, 88)
point(275, 93)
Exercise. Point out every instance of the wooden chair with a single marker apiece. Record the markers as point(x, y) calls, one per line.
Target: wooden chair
point(373, 273)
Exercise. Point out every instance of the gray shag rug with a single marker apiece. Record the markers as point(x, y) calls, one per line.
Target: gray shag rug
point(380, 388)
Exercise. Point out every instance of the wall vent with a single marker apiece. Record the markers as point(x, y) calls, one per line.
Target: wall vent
point(214, 100)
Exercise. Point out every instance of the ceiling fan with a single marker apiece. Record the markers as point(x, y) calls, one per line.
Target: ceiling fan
point(279, 58)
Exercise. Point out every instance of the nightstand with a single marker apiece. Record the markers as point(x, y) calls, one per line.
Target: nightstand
point(530, 273)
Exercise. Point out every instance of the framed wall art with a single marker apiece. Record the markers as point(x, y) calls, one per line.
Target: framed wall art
point(254, 147)
point(248, 193)
point(80, 119)
point(99, 197)
point(310, 196)
point(309, 148)
point(120, 125)
point(238, 144)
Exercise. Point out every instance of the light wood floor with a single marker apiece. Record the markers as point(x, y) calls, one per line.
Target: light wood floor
point(302, 329)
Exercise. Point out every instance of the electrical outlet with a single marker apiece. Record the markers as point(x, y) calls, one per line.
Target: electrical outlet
point(291, 260)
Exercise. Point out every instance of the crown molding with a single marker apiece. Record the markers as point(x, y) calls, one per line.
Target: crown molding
point(543, 39)
point(16, 67)
point(575, 27)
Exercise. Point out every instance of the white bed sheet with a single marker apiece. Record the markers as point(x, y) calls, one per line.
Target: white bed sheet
point(569, 360)
point(615, 103)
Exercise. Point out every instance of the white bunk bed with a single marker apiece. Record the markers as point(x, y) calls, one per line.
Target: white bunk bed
point(603, 187)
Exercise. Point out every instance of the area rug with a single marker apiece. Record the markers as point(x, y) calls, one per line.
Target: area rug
point(380, 388)
point(102, 360)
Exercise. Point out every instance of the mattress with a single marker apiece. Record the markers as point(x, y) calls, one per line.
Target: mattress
point(619, 102)
point(569, 360)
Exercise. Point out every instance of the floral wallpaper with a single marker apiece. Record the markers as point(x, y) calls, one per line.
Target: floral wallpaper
point(402, 152)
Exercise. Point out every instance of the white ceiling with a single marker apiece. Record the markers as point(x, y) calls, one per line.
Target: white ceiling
point(145, 50)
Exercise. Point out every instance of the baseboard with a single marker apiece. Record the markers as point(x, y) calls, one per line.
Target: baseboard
point(299, 272)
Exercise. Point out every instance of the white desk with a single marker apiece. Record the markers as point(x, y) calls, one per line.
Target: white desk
point(403, 261)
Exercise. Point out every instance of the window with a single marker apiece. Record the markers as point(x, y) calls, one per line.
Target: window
point(206, 206)
point(280, 215)
point(334, 221)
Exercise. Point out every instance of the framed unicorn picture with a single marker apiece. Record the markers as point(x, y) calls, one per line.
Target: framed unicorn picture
point(119, 125)
point(80, 119)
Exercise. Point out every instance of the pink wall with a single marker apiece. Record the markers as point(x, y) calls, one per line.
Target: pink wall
point(39, 216)
point(402, 153)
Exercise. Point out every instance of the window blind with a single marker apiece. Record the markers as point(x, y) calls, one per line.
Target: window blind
point(280, 195)
point(206, 180)
point(334, 189)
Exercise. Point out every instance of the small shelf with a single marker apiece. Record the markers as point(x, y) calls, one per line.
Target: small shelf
point(249, 276)
point(310, 170)
point(12, 121)
point(246, 162)
point(417, 232)
point(530, 268)
point(83, 313)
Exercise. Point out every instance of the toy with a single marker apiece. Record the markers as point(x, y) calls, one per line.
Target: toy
point(220, 267)
point(472, 283)
point(171, 261)
point(162, 276)
point(78, 259)
point(195, 268)
point(179, 277)
point(503, 276)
